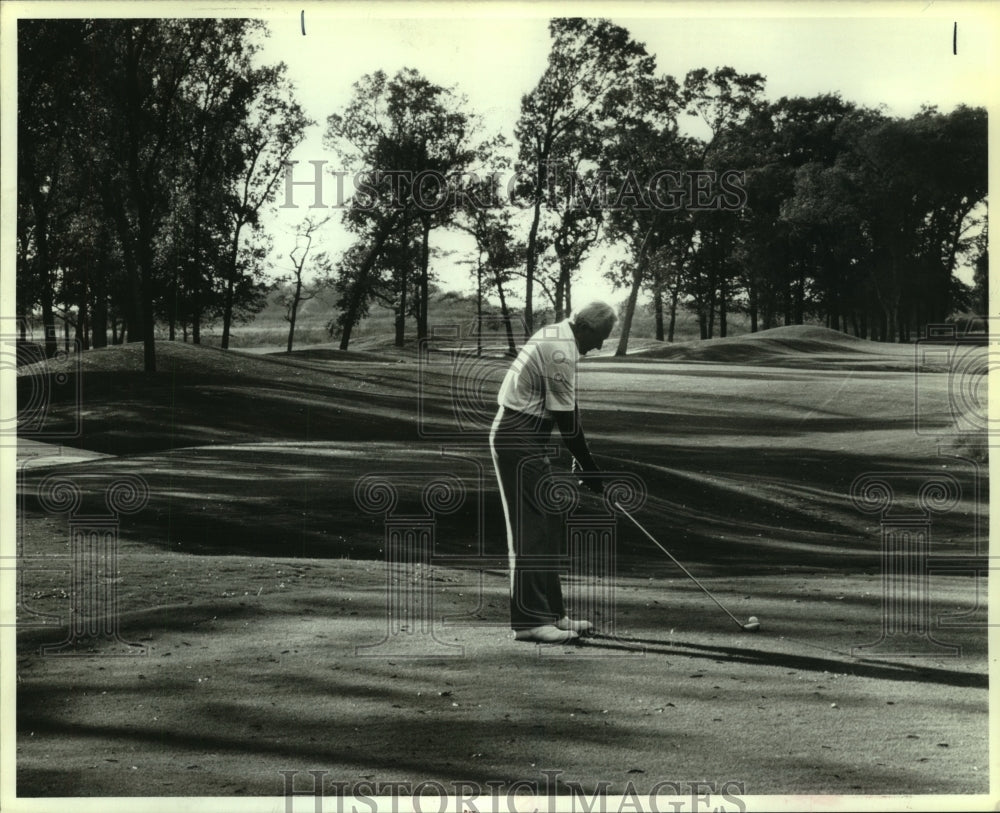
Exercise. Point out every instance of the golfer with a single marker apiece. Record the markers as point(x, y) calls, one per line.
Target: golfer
point(537, 394)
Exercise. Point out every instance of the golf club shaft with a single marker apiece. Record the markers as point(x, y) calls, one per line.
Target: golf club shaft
point(674, 560)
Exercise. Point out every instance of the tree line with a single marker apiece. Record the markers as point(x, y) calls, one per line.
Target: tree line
point(151, 149)
point(148, 151)
point(833, 211)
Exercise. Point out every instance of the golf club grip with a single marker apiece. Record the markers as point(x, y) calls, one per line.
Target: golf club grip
point(674, 560)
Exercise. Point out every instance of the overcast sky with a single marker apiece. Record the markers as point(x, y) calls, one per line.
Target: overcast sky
point(900, 56)
point(901, 62)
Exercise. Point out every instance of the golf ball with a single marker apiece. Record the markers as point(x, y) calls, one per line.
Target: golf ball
point(753, 620)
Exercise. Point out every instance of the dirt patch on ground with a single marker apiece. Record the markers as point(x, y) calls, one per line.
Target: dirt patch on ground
point(232, 669)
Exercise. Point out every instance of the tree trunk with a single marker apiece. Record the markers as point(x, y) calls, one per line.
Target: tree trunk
point(291, 330)
point(479, 304)
point(723, 322)
point(351, 316)
point(294, 309)
point(834, 311)
point(42, 265)
point(48, 319)
point(99, 324)
point(232, 269)
point(227, 312)
point(142, 242)
point(401, 313)
point(148, 317)
point(638, 272)
point(629, 311)
point(44, 274)
point(80, 332)
point(227, 302)
point(194, 280)
point(800, 297)
point(400, 327)
point(562, 304)
point(422, 305)
point(83, 320)
point(674, 296)
point(531, 264)
point(133, 316)
point(196, 304)
point(658, 309)
point(789, 297)
point(196, 327)
point(508, 326)
point(354, 306)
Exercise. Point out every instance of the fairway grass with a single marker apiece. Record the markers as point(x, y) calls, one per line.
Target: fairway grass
point(252, 588)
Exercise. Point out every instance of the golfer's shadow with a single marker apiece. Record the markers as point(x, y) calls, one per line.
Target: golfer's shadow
point(861, 667)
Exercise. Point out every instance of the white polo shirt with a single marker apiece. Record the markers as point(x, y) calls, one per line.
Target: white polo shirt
point(543, 376)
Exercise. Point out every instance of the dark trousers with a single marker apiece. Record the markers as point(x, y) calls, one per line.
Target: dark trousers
point(535, 535)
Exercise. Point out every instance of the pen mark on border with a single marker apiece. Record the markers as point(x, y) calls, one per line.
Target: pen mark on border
point(302, 20)
point(954, 39)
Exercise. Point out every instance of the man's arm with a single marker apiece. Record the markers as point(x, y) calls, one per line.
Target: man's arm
point(572, 434)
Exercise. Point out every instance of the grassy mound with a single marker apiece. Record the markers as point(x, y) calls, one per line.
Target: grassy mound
point(202, 395)
point(262, 452)
point(336, 354)
point(191, 360)
point(792, 345)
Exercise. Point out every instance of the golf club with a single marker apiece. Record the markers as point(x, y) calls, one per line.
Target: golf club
point(752, 625)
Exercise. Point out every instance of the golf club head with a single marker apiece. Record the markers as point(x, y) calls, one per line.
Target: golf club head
point(751, 626)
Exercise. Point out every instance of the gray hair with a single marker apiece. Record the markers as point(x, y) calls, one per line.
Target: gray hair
point(596, 316)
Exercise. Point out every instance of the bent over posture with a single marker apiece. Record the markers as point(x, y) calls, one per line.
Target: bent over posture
point(537, 394)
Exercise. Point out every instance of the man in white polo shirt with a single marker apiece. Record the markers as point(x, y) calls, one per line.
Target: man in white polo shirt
point(537, 394)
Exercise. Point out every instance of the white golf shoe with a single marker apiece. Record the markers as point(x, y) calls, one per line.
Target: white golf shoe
point(546, 634)
point(567, 623)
